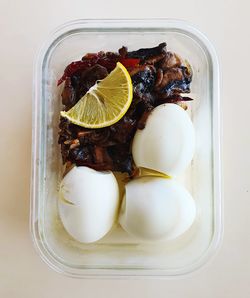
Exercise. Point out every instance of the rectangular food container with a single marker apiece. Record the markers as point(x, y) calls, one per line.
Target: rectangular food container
point(116, 254)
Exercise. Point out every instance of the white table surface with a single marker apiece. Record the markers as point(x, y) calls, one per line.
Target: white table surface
point(23, 27)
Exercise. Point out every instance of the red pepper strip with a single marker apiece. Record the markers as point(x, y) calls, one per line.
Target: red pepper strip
point(129, 62)
point(74, 67)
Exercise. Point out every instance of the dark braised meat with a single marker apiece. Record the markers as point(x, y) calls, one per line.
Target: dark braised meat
point(147, 53)
point(158, 77)
point(69, 94)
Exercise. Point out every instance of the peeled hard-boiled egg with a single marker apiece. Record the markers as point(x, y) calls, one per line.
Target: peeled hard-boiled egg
point(88, 203)
point(155, 208)
point(166, 144)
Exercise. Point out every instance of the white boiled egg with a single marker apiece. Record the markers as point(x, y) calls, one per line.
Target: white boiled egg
point(155, 208)
point(88, 203)
point(166, 144)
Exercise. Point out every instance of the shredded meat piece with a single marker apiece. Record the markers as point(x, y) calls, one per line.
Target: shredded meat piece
point(170, 60)
point(123, 51)
point(155, 59)
point(159, 78)
point(170, 75)
point(68, 94)
point(147, 53)
point(138, 69)
point(143, 119)
point(101, 156)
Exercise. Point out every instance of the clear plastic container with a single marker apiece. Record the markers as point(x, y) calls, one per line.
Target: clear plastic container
point(117, 254)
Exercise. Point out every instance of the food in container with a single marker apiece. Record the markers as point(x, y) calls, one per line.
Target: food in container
point(114, 101)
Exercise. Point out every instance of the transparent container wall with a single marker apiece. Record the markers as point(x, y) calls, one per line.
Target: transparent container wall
point(117, 252)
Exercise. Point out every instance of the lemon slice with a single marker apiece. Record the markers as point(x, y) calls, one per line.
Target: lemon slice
point(105, 103)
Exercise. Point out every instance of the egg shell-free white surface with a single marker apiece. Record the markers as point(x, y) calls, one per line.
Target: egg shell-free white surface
point(156, 209)
point(83, 186)
point(88, 203)
point(166, 144)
